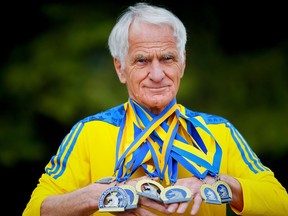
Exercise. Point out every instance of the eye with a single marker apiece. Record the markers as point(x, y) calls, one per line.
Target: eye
point(168, 58)
point(141, 60)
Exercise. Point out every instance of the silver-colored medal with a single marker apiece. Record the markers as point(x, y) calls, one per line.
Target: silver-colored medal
point(149, 188)
point(133, 197)
point(113, 199)
point(223, 190)
point(209, 194)
point(106, 180)
point(175, 193)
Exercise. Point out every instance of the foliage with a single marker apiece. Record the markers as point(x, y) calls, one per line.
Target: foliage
point(66, 73)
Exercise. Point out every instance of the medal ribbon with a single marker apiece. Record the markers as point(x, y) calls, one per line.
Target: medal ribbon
point(126, 157)
point(168, 138)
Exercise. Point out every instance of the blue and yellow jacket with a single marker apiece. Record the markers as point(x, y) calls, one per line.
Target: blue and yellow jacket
point(87, 154)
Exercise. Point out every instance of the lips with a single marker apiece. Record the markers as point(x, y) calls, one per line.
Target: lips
point(158, 88)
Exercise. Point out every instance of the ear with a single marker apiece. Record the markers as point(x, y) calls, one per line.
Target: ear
point(119, 71)
point(183, 65)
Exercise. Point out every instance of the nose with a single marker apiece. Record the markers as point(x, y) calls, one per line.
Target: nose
point(156, 72)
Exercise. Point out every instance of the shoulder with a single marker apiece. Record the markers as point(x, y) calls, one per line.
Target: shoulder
point(207, 117)
point(112, 116)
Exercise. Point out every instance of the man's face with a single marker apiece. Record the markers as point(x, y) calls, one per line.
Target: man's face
point(153, 68)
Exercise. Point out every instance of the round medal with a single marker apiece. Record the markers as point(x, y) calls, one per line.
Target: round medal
point(113, 199)
point(106, 180)
point(149, 188)
point(209, 194)
point(223, 190)
point(132, 196)
point(176, 193)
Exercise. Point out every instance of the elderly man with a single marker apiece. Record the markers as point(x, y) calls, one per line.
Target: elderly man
point(151, 139)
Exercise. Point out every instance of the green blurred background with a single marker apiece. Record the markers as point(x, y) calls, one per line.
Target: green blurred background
point(55, 69)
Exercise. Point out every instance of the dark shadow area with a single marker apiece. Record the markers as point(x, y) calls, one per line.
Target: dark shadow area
point(244, 42)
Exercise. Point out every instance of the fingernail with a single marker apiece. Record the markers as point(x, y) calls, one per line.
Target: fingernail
point(171, 209)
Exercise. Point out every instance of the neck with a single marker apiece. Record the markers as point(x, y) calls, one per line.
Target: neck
point(156, 110)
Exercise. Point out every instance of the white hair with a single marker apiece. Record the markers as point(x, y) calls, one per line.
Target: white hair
point(143, 12)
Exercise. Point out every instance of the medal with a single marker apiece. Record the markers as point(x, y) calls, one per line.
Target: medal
point(106, 180)
point(209, 194)
point(113, 199)
point(223, 190)
point(133, 197)
point(149, 188)
point(175, 193)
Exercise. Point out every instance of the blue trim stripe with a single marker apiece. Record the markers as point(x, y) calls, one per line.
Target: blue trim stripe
point(52, 161)
point(242, 151)
point(251, 155)
point(64, 152)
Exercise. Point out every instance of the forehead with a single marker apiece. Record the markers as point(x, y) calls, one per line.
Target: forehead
point(144, 35)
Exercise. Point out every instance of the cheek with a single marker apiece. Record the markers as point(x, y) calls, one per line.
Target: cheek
point(175, 77)
point(133, 81)
point(136, 77)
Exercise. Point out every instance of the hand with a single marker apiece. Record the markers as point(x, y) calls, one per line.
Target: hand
point(83, 201)
point(194, 185)
point(146, 206)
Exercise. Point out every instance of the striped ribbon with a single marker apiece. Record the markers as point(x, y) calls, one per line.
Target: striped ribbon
point(158, 143)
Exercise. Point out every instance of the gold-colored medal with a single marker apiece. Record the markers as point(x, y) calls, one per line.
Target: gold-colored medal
point(149, 188)
point(209, 194)
point(223, 190)
point(113, 199)
point(133, 197)
point(175, 193)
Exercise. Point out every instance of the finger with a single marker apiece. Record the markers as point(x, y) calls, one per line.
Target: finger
point(172, 207)
point(197, 204)
point(153, 204)
point(182, 207)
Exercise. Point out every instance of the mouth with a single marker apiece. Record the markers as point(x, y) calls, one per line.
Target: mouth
point(157, 88)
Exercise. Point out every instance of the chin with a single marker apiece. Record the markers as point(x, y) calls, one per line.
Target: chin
point(158, 102)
